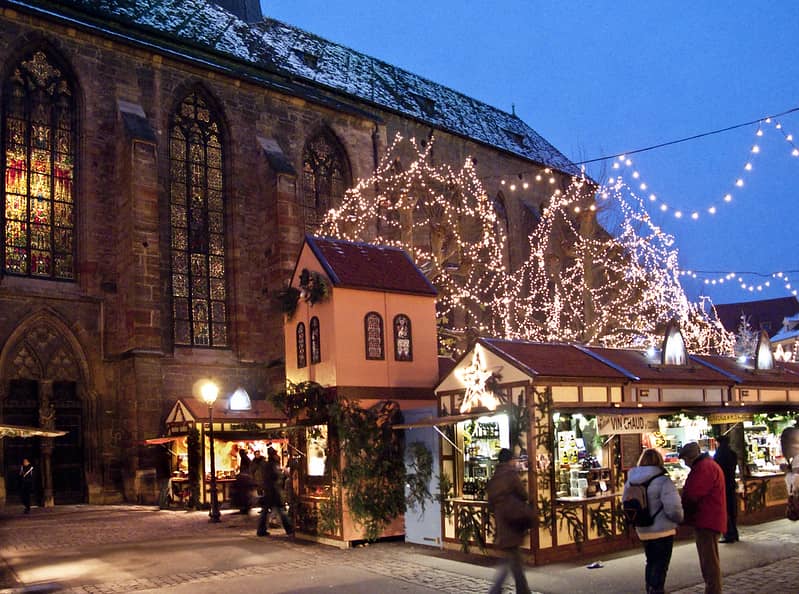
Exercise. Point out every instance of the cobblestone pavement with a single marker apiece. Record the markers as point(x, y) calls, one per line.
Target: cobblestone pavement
point(111, 549)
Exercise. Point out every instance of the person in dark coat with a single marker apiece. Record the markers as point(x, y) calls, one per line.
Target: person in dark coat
point(507, 499)
point(705, 505)
point(272, 499)
point(241, 492)
point(26, 484)
point(728, 460)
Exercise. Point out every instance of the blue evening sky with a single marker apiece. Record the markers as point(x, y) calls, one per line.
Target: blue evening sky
point(601, 78)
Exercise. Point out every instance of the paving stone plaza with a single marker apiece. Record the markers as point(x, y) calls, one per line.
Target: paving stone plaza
point(110, 549)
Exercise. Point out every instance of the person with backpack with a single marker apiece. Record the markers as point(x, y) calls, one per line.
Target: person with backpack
point(652, 504)
point(705, 504)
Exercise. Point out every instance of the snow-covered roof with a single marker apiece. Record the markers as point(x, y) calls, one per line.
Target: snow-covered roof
point(275, 47)
point(784, 334)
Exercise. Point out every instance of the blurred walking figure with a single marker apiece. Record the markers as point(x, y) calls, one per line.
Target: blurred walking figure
point(241, 495)
point(514, 517)
point(272, 500)
point(705, 506)
point(665, 508)
point(728, 460)
point(26, 484)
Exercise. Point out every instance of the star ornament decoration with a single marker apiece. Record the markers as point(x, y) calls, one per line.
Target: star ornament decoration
point(474, 378)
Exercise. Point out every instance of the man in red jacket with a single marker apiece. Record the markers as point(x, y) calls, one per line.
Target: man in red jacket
point(705, 505)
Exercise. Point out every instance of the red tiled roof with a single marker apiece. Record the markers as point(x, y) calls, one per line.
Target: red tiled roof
point(366, 266)
point(782, 375)
point(637, 363)
point(262, 410)
point(554, 360)
point(768, 311)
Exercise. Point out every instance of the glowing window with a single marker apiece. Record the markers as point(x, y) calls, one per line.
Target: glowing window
point(198, 226)
point(674, 352)
point(302, 359)
point(316, 438)
point(316, 352)
point(403, 348)
point(373, 327)
point(764, 359)
point(39, 178)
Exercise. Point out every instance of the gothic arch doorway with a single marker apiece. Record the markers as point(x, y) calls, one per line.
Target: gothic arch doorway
point(43, 384)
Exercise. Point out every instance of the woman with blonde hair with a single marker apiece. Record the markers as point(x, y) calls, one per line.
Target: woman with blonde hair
point(664, 505)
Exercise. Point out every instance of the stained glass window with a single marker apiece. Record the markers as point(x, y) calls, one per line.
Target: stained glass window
point(39, 117)
point(403, 349)
point(302, 359)
point(198, 229)
point(373, 326)
point(324, 179)
point(316, 352)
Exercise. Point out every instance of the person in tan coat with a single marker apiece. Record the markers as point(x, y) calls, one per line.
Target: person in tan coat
point(507, 499)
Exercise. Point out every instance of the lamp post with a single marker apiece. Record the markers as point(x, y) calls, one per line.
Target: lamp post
point(209, 392)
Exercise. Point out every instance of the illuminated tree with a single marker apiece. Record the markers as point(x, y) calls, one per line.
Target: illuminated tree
point(615, 284)
point(443, 218)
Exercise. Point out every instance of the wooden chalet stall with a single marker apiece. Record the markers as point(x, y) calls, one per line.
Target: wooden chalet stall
point(363, 329)
point(764, 402)
point(238, 424)
point(578, 418)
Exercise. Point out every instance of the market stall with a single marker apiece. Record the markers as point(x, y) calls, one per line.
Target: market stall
point(249, 429)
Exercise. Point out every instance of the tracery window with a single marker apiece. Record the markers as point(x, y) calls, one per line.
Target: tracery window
point(197, 220)
point(373, 327)
point(324, 179)
point(39, 139)
point(403, 348)
point(302, 359)
point(316, 352)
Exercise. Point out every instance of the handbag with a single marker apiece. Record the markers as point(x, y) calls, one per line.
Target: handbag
point(519, 514)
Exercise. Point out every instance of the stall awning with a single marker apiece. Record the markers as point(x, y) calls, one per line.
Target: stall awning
point(450, 420)
point(21, 431)
point(160, 440)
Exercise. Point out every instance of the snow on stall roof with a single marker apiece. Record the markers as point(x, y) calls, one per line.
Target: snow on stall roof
point(273, 45)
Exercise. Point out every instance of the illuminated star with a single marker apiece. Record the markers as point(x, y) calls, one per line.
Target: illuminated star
point(475, 377)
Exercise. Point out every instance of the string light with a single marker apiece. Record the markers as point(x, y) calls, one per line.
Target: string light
point(446, 222)
point(614, 289)
point(716, 278)
point(624, 162)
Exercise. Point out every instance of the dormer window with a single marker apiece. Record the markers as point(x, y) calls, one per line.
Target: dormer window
point(515, 136)
point(240, 400)
point(309, 59)
point(426, 104)
point(764, 359)
point(674, 352)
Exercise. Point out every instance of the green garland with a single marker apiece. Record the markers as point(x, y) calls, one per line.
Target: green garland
point(313, 289)
point(418, 479)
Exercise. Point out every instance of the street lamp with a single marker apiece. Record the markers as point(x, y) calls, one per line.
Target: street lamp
point(209, 391)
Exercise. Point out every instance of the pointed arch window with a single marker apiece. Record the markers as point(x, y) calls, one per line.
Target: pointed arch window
point(375, 343)
point(316, 350)
point(403, 346)
point(197, 221)
point(324, 178)
point(39, 139)
point(302, 357)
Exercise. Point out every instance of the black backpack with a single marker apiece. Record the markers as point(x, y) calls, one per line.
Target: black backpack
point(635, 504)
